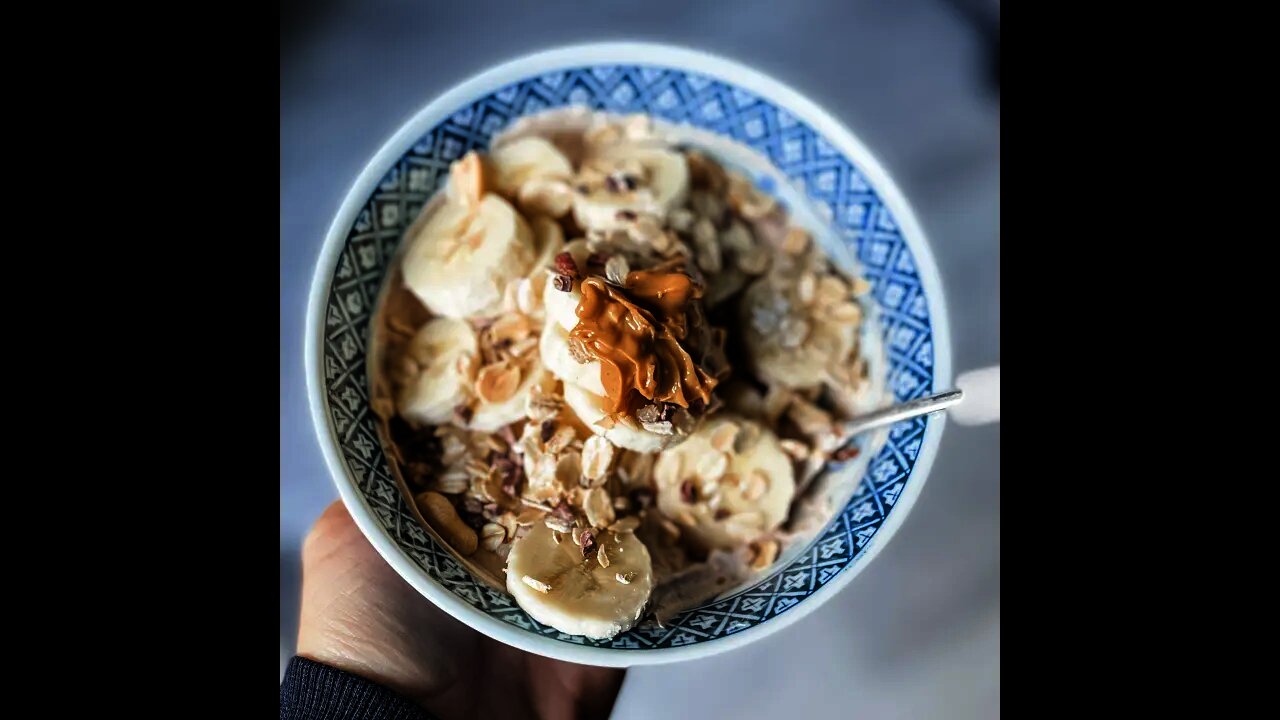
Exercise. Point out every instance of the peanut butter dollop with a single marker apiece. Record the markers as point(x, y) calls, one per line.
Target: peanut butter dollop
point(646, 335)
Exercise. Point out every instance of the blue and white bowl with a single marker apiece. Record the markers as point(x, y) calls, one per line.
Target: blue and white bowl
point(815, 165)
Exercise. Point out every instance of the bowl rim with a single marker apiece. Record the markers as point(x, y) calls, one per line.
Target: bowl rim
point(568, 57)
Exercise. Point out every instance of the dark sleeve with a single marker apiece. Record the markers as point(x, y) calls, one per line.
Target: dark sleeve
point(314, 691)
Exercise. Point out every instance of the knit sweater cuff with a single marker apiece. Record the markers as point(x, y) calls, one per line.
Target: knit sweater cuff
point(314, 691)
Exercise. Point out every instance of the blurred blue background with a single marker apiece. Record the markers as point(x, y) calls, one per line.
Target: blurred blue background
point(917, 634)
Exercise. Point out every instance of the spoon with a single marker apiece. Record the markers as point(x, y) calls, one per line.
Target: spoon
point(903, 411)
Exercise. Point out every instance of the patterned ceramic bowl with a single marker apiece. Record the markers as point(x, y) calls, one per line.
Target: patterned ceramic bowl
point(814, 164)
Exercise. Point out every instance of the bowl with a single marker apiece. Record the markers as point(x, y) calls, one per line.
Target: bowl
point(830, 182)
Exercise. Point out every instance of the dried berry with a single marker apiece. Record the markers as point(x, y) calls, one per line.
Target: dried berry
point(845, 453)
point(688, 492)
point(566, 265)
point(547, 430)
point(588, 542)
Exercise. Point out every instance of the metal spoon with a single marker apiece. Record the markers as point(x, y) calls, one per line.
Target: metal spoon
point(903, 411)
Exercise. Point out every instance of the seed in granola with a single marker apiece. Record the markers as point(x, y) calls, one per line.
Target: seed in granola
point(794, 448)
point(688, 492)
point(844, 312)
point(492, 535)
point(795, 242)
point(625, 525)
point(497, 383)
point(463, 413)
point(764, 553)
point(602, 557)
point(845, 453)
point(712, 466)
point(536, 584)
point(756, 486)
point(723, 437)
point(563, 283)
point(598, 508)
point(588, 542)
point(597, 455)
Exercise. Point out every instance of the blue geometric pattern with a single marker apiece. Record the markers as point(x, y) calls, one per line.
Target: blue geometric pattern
point(830, 182)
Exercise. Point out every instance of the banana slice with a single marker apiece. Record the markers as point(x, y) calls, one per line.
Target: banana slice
point(790, 343)
point(557, 586)
point(528, 158)
point(640, 179)
point(554, 350)
point(464, 256)
point(433, 353)
point(721, 495)
point(589, 407)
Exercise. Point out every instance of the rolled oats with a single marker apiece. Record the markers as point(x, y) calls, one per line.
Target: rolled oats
point(723, 437)
point(492, 535)
point(536, 584)
point(598, 507)
point(597, 455)
point(602, 557)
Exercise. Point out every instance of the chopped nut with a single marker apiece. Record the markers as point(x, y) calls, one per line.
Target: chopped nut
point(616, 270)
point(563, 283)
point(578, 351)
point(597, 455)
point(756, 486)
point(722, 438)
point(712, 466)
point(625, 578)
point(764, 553)
point(660, 428)
point(536, 584)
point(492, 535)
point(602, 557)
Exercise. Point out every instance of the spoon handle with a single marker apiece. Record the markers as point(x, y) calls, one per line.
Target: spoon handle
point(904, 411)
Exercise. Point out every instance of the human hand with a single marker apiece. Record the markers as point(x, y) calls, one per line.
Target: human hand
point(359, 616)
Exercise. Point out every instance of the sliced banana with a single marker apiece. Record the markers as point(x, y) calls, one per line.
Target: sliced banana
point(528, 158)
point(463, 257)
point(553, 347)
point(787, 343)
point(557, 586)
point(720, 495)
point(590, 409)
point(639, 179)
point(430, 397)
